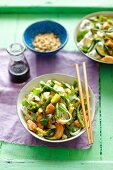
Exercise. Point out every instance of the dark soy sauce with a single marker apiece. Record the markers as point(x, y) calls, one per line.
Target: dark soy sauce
point(19, 72)
point(18, 69)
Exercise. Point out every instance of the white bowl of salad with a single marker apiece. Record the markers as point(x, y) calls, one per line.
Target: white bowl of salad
point(94, 36)
point(49, 108)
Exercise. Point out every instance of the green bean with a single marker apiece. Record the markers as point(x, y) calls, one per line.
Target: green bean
point(66, 132)
point(75, 84)
point(57, 111)
point(65, 100)
point(80, 117)
point(66, 85)
point(74, 114)
point(45, 85)
point(46, 103)
point(52, 83)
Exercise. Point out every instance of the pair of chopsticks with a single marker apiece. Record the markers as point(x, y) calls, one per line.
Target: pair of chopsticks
point(88, 130)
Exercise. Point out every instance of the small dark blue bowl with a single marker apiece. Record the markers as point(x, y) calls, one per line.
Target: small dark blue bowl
point(41, 27)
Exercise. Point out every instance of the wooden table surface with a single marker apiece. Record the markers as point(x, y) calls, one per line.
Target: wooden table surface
point(13, 21)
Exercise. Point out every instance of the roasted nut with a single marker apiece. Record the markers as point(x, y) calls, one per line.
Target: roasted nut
point(46, 42)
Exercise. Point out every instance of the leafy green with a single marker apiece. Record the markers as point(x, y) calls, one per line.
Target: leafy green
point(25, 102)
point(81, 35)
point(85, 49)
point(32, 106)
point(37, 91)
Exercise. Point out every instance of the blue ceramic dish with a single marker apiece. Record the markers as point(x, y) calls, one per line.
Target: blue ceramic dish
point(41, 27)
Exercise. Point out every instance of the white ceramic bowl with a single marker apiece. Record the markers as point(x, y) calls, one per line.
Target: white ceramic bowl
point(104, 13)
point(34, 83)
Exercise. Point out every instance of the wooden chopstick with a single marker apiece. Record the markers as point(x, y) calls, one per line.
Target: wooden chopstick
point(88, 102)
point(82, 102)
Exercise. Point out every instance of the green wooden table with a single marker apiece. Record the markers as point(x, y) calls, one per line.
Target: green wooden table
point(14, 18)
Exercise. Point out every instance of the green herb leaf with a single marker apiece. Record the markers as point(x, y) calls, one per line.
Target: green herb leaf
point(33, 116)
point(44, 120)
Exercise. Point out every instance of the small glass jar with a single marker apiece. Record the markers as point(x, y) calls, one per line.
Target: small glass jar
point(18, 67)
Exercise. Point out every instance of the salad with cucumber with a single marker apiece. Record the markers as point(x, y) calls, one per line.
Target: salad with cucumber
point(95, 38)
point(52, 110)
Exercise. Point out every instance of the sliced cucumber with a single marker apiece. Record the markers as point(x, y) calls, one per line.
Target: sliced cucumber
point(109, 35)
point(94, 19)
point(100, 49)
point(86, 49)
point(108, 50)
point(87, 42)
point(91, 46)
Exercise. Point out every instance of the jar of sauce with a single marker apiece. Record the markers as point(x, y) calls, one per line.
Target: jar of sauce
point(18, 68)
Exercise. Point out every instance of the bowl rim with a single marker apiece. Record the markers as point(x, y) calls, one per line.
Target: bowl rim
point(35, 135)
point(46, 52)
point(109, 13)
